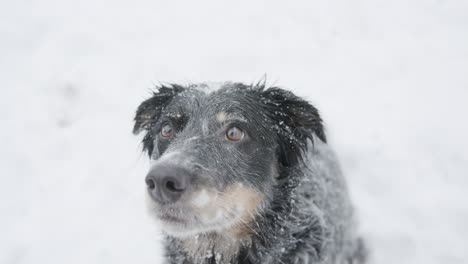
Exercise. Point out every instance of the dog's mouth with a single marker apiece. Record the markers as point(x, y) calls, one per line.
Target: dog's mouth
point(208, 211)
point(172, 219)
point(172, 214)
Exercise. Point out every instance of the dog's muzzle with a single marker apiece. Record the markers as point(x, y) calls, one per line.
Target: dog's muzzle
point(166, 184)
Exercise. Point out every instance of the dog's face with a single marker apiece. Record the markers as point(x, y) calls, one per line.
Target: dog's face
point(216, 156)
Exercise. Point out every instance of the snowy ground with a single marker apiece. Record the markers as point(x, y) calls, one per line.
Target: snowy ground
point(391, 79)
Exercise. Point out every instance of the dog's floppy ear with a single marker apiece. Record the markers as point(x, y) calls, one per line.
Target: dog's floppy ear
point(297, 121)
point(149, 112)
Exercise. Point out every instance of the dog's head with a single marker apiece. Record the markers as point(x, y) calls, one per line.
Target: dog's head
point(217, 155)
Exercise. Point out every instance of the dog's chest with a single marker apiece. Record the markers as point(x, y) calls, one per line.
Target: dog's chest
point(216, 248)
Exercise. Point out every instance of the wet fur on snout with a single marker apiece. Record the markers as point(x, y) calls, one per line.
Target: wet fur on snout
point(278, 196)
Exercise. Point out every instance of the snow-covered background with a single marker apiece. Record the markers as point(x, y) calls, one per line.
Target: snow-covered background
point(390, 77)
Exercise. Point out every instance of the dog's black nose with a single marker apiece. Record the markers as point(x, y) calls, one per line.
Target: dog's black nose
point(167, 184)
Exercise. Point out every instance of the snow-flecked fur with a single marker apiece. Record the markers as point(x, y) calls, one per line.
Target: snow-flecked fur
point(306, 215)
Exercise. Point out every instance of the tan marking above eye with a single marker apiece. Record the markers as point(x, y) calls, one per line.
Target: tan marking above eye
point(166, 130)
point(234, 133)
point(221, 117)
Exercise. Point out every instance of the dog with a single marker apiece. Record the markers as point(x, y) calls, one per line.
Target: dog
point(243, 174)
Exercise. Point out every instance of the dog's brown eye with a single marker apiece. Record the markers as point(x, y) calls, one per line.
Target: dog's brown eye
point(166, 131)
point(234, 134)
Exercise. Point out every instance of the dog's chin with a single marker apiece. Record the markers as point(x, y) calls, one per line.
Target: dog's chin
point(185, 220)
point(188, 224)
point(180, 230)
point(188, 227)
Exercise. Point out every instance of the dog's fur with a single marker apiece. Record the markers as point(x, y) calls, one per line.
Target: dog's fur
point(276, 196)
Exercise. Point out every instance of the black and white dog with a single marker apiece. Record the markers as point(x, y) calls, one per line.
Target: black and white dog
point(243, 174)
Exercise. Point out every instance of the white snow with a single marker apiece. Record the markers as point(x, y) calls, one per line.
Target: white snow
point(390, 77)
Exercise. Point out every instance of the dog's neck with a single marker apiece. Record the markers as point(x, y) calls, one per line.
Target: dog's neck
point(217, 247)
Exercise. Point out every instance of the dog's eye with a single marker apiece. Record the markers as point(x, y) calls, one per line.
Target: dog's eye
point(234, 134)
point(166, 131)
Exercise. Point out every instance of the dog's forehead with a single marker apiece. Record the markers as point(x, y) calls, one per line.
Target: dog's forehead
point(209, 87)
point(217, 101)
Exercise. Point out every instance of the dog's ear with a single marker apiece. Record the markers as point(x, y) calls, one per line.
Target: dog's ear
point(297, 122)
point(149, 112)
